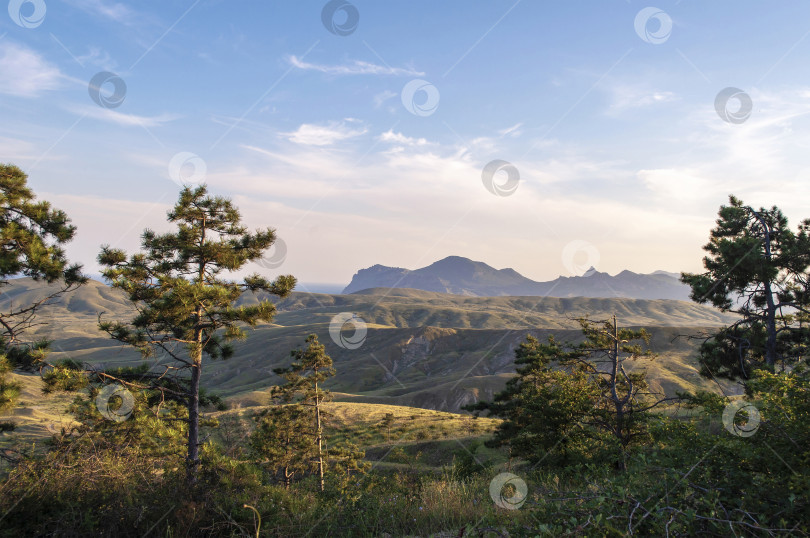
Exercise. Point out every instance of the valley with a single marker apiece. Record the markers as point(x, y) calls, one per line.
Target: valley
point(422, 349)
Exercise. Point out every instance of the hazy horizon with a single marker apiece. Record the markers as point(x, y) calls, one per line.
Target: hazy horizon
point(337, 287)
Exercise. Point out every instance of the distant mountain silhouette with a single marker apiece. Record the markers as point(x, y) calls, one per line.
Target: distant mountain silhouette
point(462, 276)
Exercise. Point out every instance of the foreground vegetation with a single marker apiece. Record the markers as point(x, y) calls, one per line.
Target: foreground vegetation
point(693, 476)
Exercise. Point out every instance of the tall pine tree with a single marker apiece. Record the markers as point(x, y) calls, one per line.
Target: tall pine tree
point(304, 386)
point(186, 308)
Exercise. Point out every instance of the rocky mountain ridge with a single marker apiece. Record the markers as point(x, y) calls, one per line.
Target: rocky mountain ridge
point(462, 276)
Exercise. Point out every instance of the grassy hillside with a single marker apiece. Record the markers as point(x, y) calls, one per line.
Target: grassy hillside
point(396, 308)
point(39, 416)
point(423, 349)
point(416, 308)
point(361, 424)
point(36, 416)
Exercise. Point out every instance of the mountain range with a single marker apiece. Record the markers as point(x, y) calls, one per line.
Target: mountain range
point(462, 276)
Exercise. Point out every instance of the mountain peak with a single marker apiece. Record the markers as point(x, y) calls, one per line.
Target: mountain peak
point(667, 273)
point(462, 276)
point(457, 261)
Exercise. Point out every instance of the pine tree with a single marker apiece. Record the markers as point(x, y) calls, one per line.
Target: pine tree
point(568, 400)
point(32, 235)
point(304, 379)
point(542, 405)
point(346, 460)
point(186, 309)
point(622, 409)
point(756, 267)
point(278, 441)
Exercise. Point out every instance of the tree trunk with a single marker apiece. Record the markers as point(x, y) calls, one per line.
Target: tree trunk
point(193, 459)
point(614, 360)
point(770, 312)
point(621, 463)
point(770, 324)
point(320, 436)
point(618, 404)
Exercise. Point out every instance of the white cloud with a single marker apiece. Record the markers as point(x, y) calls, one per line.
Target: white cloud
point(120, 118)
point(763, 160)
point(357, 67)
point(310, 134)
point(110, 10)
point(681, 184)
point(627, 97)
point(512, 132)
point(768, 147)
point(382, 97)
point(12, 149)
point(99, 58)
point(25, 73)
point(399, 138)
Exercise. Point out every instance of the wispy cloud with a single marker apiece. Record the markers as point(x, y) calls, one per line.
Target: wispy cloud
point(357, 67)
point(382, 97)
point(119, 118)
point(627, 97)
point(25, 73)
point(512, 132)
point(399, 138)
point(110, 10)
point(12, 149)
point(764, 160)
point(310, 134)
point(97, 57)
point(677, 184)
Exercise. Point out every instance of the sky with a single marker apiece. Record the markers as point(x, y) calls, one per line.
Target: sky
point(545, 136)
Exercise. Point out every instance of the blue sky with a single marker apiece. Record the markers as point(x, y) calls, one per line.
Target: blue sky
point(605, 110)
